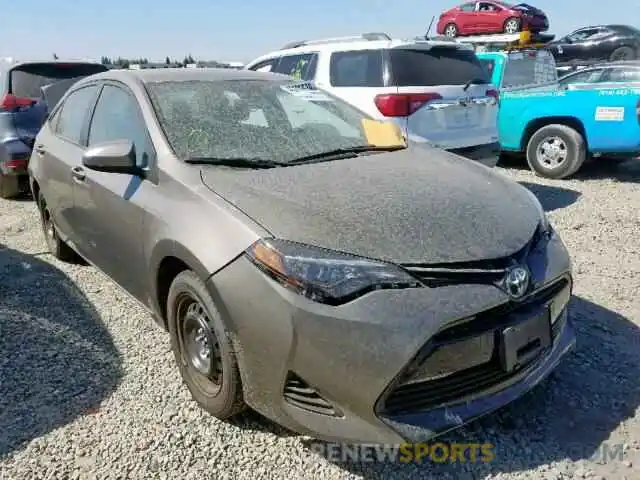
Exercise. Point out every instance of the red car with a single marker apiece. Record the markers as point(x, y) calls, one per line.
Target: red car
point(487, 17)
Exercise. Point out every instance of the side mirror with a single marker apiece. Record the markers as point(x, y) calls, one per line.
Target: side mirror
point(113, 157)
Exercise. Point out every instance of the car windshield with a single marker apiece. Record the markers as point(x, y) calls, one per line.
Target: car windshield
point(26, 80)
point(254, 119)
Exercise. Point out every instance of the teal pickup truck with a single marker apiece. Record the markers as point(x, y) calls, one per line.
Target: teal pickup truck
point(559, 128)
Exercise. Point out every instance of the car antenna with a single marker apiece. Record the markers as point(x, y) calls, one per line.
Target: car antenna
point(426, 35)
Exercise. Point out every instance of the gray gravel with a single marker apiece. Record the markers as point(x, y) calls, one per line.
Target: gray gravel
point(88, 387)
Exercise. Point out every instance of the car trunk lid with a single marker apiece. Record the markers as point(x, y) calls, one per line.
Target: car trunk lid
point(448, 98)
point(25, 103)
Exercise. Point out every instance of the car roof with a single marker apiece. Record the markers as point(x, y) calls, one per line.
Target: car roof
point(619, 63)
point(153, 75)
point(340, 46)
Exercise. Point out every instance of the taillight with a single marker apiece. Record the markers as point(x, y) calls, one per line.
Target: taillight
point(17, 163)
point(11, 102)
point(403, 104)
point(494, 94)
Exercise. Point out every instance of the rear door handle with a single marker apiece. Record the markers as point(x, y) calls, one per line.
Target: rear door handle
point(78, 174)
point(40, 150)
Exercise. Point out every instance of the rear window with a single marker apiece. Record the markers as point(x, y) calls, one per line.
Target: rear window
point(436, 66)
point(522, 69)
point(488, 65)
point(26, 80)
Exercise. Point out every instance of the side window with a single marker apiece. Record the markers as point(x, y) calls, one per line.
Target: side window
point(73, 114)
point(117, 117)
point(487, 7)
point(357, 68)
point(265, 66)
point(590, 76)
point(468, 7)
point(581, 35)
point(622, 75)
point(300, 67)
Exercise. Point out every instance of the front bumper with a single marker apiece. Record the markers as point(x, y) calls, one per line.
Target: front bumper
point(329, 372)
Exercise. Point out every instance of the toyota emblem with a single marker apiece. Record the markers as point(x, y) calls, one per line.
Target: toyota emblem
point(517, 281)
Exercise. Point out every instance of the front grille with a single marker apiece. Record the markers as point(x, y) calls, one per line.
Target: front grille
point(488, 272)
point(411, 394)
point(298, 393)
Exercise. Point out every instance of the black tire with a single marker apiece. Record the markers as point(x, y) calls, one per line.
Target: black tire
point(56, 246)
point(509, 22)
point(220, 392)
point(622, 53)
point(571, 147)
point(451, 30)
point(9, 186)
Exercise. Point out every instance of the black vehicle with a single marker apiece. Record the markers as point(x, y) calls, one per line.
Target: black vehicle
point(604, 73)
point(26, 91)
point(589, 45)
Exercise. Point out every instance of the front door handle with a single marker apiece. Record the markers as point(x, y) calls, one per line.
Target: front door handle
point(78, 174)
point(40, 150)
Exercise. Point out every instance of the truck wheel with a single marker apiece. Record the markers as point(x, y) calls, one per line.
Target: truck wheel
point(556, 151)
point(451, 30)
point(9, 186)
point(512, 25)
point(622, 53)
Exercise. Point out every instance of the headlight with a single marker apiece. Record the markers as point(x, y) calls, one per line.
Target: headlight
point(323, 275)
point(545, 224)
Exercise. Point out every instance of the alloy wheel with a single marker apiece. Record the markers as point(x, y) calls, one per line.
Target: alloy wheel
point(552, 152)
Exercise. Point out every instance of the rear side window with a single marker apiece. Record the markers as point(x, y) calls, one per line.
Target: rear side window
point(26, 80)
point(436, 66)
point(525, 70)
point(74, 113)
point(622, 75)
point(357, 68)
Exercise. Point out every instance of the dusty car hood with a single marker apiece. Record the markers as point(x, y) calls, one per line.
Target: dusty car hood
point(417, 205)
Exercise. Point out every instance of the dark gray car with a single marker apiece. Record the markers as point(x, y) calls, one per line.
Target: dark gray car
point(27, 90)
point(346, 291)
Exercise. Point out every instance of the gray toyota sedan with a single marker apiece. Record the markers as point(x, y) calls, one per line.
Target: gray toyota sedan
point(345, 288)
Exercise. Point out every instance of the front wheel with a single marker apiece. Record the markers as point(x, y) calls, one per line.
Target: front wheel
point(556, 151)
point(202, 348)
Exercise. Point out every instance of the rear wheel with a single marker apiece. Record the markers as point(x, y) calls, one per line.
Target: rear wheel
point(202, 347)
point(56, 246)
point(9, 186)
point(451, 30)
point(512, 25)
point(622, 53)
point(556, 151)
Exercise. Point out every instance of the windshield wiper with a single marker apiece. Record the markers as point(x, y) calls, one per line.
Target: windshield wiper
point(473, 81)
point(238, 162)
point(344, 152)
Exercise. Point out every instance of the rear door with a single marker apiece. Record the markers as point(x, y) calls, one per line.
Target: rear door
point(25, 82)
point(452, 102)
point(59, 150)
point(490, 18)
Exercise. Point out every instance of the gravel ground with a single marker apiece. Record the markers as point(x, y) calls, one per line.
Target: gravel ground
point(88, 387)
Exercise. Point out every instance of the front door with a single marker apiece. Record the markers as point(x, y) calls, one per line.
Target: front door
point(111, 203)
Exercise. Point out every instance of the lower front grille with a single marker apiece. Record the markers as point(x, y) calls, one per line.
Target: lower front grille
point(297, 392)
point(476, 353)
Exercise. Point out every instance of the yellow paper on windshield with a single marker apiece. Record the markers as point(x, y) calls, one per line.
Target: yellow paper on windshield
point(382, 134)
